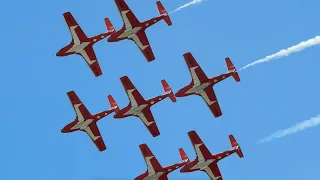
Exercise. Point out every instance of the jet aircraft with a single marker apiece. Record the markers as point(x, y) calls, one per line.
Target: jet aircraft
point(134, 30)
point(140, 107)
point(207, 162)
point(82, 45)
point(86, 122)
point(202, 85)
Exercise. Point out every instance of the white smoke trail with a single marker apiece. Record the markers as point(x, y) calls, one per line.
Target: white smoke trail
point(186, 5)
point(285, 52)
point(294, 129)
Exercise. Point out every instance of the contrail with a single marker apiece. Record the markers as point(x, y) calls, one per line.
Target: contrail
point(285, 52)
point(186, 5)
point(294, 129)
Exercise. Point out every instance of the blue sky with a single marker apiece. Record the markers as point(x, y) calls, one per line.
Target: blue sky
point(270, 96)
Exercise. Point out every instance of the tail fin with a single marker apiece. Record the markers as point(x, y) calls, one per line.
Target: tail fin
point(109, 24)
point(113, 104)
point(163, 12)
point(231, 67)
point(183, 155)
point(235, 145)
point(167, 90)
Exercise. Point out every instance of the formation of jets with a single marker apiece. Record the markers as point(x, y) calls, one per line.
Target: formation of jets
point(132, 29)
point(138, 106)
point(205, 161)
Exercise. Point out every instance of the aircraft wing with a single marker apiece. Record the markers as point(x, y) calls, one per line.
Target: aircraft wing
point(148, 120)
point(93, 131)
point(132, 92)
point(196, 72)
point(89, 56)
point(213, 172)
point(151, 161)
point(127, 15)
point(75, 30)
point(80, 109)
point(141, 40)
point(211, 100)
point(200, 148)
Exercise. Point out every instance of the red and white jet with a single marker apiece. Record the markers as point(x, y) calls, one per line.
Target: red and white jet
point(207, 162)
point(140, 107)
point(202, 85)
point(82, 45)
point(87, 122)
point(155, 170)
point(135, 30)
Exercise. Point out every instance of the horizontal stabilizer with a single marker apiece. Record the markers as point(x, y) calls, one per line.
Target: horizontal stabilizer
point(231, 68)
point(235, 144)
point(109, 25)
point(168, 90)
point(163, 12)
point(113, 104)
point(183, 155)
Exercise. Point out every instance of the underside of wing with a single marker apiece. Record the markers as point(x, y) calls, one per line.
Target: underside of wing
point(90, 57)
point(128, 18)
point(75, 30)
point(148, 120)
point(151, 161)
point(196, 72)
point(200, 148)
point(213, 172)
point(132, 92)
point(79, 108)
point(211, 100)
point(143, 44)
point(95, 135)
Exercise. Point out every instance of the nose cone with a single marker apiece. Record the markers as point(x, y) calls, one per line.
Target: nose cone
point(61, 52)
point(117, 115)
point(113, 37)
point(180, 93)
point(65, 129)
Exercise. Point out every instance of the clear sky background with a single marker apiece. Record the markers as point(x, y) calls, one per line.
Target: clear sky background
point(270, 96)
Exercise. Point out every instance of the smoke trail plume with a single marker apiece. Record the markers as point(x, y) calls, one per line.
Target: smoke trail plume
point(294, 129)
point(285, 52)
point(186, 5)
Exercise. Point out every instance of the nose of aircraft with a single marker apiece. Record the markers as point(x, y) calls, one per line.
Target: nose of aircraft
point(64, 130)
point(179, 93)
point(116, 115)
point(60, 52)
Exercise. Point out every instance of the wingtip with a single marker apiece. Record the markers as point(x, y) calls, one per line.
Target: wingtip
point(70, 92)
point(142, 145)
point(187, 53)
point(124, 77)
point(66, 13)
point(191, 133)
